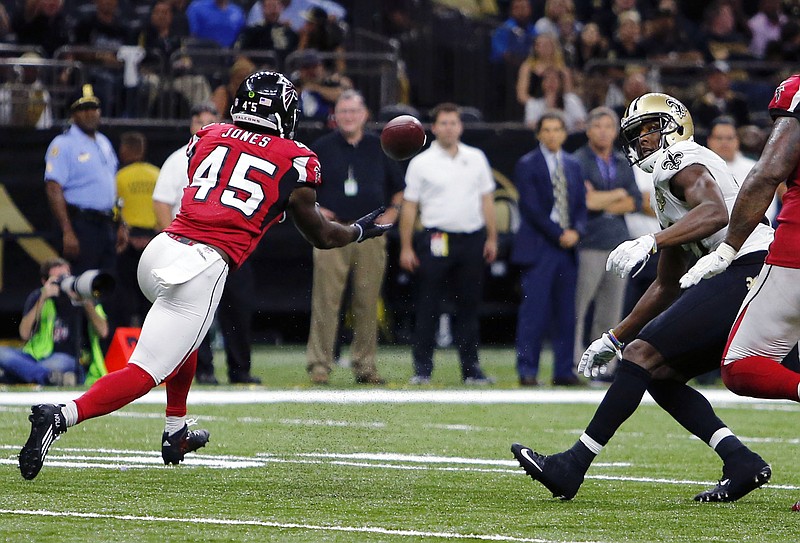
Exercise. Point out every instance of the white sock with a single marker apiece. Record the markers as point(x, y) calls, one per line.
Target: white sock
point(70, 412)
point(591, 444)
point(173, 424)
point(718, 436)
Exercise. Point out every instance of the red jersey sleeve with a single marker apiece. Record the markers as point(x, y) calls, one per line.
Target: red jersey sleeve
point(786, 101)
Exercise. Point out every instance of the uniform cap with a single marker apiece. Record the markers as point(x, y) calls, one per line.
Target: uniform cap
point(85, 99)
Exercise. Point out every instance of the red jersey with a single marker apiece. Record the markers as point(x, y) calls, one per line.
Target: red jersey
point(239, 186)
point(785, 250)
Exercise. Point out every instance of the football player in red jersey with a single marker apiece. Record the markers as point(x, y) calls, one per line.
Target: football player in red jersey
point(767, 326)
point(243, 178)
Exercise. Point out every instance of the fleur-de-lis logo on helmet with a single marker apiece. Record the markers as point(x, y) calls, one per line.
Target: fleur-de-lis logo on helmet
point(678, 109)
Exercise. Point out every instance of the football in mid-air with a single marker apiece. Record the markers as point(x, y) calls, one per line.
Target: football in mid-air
point(402, 137)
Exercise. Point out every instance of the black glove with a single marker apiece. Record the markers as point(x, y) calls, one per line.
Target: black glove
point(367, 228)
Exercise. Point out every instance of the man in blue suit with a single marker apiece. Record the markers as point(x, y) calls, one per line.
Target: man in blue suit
point(552, 202)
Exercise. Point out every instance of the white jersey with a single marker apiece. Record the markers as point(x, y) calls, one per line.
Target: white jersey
point(172, 179)
point(670, 209)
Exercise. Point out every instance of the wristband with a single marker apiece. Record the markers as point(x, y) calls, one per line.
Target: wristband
point(726, 252)
point(616, 342)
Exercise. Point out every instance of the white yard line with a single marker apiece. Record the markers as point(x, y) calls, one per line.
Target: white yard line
point(135, 459)
point(281, 525)
point(719, 397)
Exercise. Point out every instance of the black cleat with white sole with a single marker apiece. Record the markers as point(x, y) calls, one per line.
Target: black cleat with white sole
point(175, 446)
point(738, 480)
point(558, 473)
point(47, 425)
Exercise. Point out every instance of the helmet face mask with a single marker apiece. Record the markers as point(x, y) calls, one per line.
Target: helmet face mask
point(668, 117)
point(267, 102)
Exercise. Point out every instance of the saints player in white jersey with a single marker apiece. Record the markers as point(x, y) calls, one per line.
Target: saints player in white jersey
point(669, 337)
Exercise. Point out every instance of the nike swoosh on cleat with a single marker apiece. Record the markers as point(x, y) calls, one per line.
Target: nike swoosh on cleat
point(724, 482)
point(526, 454)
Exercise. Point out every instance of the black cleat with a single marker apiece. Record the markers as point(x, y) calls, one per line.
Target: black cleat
point(175, 446)
point(738, 480)
point(557, 473)
point(245, 379)
point(47, 425)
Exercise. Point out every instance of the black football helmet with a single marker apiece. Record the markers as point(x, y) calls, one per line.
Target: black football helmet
point(267, 100)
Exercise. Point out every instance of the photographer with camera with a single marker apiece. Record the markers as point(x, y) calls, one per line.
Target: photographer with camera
point(55, 317)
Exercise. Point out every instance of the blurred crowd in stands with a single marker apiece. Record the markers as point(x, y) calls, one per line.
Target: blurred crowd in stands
point(509, 59)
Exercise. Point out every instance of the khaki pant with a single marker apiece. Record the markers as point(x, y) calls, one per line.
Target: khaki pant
point(605, 289)
point(367, 263)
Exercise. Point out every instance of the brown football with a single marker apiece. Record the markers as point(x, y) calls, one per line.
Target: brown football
point(402, 137)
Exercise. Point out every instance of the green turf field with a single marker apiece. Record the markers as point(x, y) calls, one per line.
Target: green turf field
point(299, 463)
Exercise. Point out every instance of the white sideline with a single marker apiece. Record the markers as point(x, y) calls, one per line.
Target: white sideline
point(718, 397)
point(283, 525)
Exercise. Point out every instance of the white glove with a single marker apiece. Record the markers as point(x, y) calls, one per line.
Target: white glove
point(601, 351)
point(630, 253)
point(710, 265)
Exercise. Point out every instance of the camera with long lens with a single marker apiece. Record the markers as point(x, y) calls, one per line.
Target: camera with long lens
point(89, 285)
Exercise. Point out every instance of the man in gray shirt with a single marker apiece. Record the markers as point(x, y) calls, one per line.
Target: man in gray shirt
point(611, 191)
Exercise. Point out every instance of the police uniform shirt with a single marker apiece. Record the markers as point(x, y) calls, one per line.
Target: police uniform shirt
point(85, 168)
point(449, 189)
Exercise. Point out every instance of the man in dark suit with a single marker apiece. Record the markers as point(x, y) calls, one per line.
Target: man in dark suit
point(552, 202)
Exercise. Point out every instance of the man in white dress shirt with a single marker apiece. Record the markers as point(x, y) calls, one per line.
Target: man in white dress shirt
point(723, 139)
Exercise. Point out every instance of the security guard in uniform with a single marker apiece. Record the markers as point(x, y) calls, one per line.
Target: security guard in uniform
point(81, 186)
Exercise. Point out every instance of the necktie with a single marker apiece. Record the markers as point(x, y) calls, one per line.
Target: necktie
point(560, 193)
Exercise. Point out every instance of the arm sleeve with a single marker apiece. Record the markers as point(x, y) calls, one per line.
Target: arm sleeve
point(786, 100)
point(581, 211)
point(309, 171)
point(487, 183)
point(500, 40)
point(633, 189)
point(530, 206)
point(31, 300)
point(413, 182)
point(172, 178)
point(394, 177)
point(56, 161)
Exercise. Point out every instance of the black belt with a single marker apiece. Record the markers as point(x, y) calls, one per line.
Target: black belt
point(90, 214)
point(188, 241)
point(453, 234)
point(136, 231)
point(181, 239)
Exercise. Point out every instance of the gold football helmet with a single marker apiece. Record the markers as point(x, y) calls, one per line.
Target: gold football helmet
point(674, 123)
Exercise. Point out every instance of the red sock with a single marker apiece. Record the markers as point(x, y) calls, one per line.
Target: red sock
point(761, 377)
point(178, 385)
point(112, 391)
